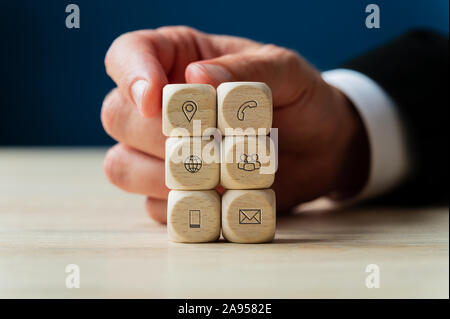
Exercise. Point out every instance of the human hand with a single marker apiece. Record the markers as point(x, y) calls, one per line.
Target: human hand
point(322, 144)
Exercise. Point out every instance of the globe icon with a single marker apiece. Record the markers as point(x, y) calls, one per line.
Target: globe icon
point(192, 164)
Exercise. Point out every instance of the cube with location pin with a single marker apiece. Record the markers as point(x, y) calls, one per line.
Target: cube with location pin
point(188, 109)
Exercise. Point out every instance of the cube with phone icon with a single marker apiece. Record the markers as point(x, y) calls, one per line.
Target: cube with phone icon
point(244, 108)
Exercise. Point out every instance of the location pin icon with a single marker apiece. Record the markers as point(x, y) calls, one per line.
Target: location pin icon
point(189, 108)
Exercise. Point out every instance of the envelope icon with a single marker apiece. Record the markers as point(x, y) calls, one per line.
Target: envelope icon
point(250, 216)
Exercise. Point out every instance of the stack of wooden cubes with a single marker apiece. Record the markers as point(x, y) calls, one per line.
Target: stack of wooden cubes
point(198, 158)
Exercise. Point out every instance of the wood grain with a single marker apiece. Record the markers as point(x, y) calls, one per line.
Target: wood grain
point(57, 208)
point(192, 163)
point(247, 162)
point(249, 216)
point(184, 104)
point(193, 216)
point(244, 105)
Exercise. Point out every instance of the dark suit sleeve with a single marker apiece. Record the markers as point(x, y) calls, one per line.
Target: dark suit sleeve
point(414, 71)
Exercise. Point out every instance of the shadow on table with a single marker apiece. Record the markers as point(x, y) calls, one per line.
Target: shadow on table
point(318, 225)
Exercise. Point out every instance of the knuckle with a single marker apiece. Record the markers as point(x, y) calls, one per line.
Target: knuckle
point(273, 50)
point(271, 47)
point(114, 48)
point(281, 52)
point(109, 56)
point(150, 209)
point(155, 211)
point(114, 167)
point(185, 29)
point(292, 59)
point(287, 59)
point(178, 29)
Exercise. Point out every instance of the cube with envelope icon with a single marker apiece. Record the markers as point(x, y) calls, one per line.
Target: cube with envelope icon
point(248, 216)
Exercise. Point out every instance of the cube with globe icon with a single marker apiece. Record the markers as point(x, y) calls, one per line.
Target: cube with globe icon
point(194, 164)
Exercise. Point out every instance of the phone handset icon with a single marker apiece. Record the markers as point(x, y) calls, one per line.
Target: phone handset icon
point(243, 107)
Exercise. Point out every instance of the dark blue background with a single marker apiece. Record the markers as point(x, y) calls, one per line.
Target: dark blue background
point(53, 79)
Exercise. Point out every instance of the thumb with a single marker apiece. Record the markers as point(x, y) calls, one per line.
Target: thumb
point(287, 74)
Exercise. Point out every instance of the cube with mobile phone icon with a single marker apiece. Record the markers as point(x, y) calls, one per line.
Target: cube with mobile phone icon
point(193, 216)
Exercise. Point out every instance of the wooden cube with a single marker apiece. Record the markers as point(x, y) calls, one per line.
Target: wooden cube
point(192, 163)
point(246, 105)
point(248, 162)
point(188, 105)
point(193, 216)
point(248, 216)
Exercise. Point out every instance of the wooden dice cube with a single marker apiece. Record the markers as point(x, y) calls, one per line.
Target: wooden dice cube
point(188, 109)
point(193, 216)
point(192, 163)
point(248, 216)
point(245, 105)
point(248, 162)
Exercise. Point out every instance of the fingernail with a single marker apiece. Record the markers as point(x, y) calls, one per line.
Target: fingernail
point(214, 72)
point(138, 90)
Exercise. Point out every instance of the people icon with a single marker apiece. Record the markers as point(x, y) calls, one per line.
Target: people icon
point(249, 162)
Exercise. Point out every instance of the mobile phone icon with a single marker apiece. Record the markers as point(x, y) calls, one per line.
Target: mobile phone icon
point(194, 218)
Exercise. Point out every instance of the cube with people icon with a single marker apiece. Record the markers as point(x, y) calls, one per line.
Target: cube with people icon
point(247, 162)
point(244, 162)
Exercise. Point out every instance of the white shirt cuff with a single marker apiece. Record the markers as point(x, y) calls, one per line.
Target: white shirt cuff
point(390, 162)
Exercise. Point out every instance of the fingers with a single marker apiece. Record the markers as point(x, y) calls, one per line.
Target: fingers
point(123, 123)
point(142, 62)
point(132, 62)
point(287, 74)
point(135, 172)
point(186, 43)
point(157, 209)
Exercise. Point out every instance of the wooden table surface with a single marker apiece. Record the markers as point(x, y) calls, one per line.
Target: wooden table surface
point(56, 208)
